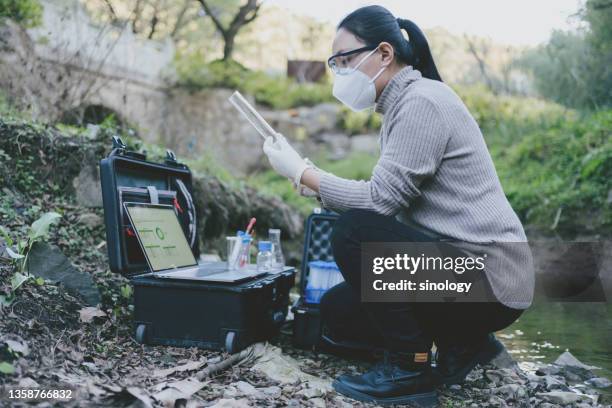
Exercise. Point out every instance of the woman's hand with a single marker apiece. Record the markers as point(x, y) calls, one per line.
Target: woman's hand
point(284, 159)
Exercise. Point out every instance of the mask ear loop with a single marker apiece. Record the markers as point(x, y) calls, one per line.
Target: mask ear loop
point(363, 60)
point(379, 72)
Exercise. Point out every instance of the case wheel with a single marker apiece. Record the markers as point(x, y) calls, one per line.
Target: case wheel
point(230, 342)
point(141, 332)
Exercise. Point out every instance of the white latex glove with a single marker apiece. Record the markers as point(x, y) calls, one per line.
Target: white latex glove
point(284, 159)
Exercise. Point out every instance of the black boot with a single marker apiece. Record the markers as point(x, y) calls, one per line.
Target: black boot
point(455, 361)
point(401, 378)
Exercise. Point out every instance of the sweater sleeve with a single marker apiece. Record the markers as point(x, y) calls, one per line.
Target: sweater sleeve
point(413, 144)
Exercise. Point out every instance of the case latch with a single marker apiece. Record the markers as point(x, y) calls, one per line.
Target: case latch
point(171, 159)
point(120, 148)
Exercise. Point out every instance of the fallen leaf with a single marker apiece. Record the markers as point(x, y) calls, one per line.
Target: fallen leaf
point(6, 368)
point(285, 369)
point(141, 395)
point(88, 313)
point(18, 346)
point(27, 382)
point(190, 366)
point(231, 403)
point(179, 390)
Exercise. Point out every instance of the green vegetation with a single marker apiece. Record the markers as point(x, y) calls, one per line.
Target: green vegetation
point(357, 166)
point(18, 251)
point(27, 13)
point(278, 92)
point(359, 122)
point(560, 177)
point(555, 164)
point(573, 68)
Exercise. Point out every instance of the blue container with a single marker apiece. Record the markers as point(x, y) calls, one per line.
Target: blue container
point(321, 277)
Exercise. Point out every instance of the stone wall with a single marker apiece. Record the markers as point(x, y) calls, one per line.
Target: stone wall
point(130, 77)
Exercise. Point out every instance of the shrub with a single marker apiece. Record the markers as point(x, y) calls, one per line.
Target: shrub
point(27, 13)
point(560, 177)
point(274, 91)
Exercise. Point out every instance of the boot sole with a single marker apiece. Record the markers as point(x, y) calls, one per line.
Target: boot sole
point(482, 357)
point(424, 400)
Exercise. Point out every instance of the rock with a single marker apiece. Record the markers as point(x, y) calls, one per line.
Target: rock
point(509, 391)
point(334, 146)
point(27, 382)
point(90, 220)
point(599, 382)
point(246, 389)
point(576, 373)
point(272, 391)
point(310, 393)
point(495, 376)
point(496, 401)
point(318, 402)
point(3, 251)
point(454, 387)
point(561, 397)
point(568, 359)
point(231, 403)
point(230, 392)
point(319, 118)
point(87, 187)
point(553, 383)
point(503, 360)
point(365, 144)
point(48, 262)
point(341, 403)
point(548, 369)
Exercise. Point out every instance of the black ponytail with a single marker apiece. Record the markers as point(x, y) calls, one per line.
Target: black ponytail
point(419, 49)
point(375, 24)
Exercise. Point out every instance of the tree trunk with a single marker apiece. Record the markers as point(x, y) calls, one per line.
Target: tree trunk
point(228, 47)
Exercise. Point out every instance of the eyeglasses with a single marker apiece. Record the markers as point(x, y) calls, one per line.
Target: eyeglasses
point(341, 63)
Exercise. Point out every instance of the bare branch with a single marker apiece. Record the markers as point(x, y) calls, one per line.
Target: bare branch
point(111, 10)
point(212, 16)
point(482, 65)
point(241, 18)
point(136, 12)
point(178, 24)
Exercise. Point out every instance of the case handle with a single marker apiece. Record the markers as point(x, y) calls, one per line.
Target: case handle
point(153, 195)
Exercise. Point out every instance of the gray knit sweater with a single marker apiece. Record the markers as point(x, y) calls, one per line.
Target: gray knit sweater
point(435, 171)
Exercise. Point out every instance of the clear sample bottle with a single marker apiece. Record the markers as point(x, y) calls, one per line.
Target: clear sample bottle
point(277, 250)
point(265, 258)
point(245, 254)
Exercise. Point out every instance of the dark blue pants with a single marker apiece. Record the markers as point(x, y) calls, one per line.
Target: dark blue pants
point(406, 326)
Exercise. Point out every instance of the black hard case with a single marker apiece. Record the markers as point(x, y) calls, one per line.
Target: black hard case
point(307, 329)
point(227, 316)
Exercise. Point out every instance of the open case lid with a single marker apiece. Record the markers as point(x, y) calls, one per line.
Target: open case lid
point(127, 176)
point(317, 241)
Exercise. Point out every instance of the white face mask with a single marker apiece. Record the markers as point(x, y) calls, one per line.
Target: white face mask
point(355, 89)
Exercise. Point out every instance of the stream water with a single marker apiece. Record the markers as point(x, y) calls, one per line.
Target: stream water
point(547, 329)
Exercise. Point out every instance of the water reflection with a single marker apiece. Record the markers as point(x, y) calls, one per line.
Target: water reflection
point(547, 329)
